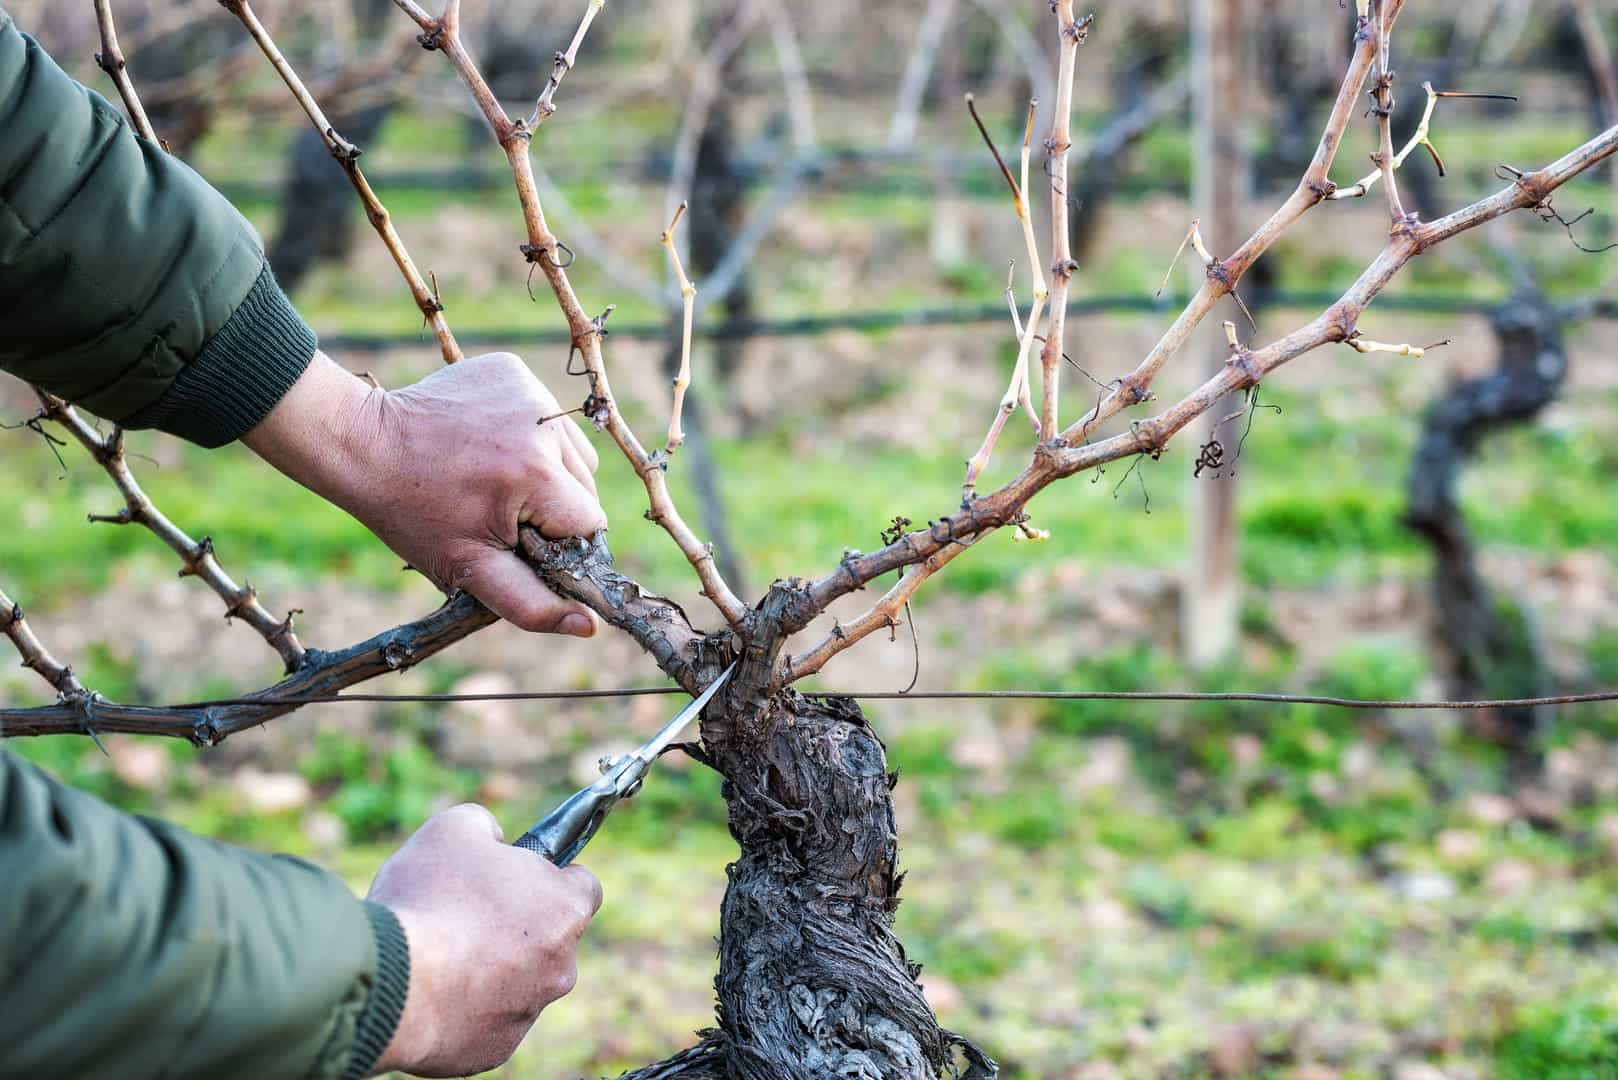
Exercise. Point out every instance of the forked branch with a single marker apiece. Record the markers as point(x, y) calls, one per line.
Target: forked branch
point(34, 655)
point(197, 556)
point(883, 614)
point(1224, 274)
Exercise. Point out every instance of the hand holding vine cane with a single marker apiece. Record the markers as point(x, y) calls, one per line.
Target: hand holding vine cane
point(445, 472)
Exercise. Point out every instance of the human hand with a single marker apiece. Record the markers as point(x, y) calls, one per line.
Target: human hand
point(493, 933)
point(445, 471)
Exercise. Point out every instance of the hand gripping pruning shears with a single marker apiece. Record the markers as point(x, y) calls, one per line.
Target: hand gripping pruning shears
point(562, 834)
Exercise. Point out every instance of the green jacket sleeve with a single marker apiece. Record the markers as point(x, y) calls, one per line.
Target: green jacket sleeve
point(127, 284)
point(130, 949)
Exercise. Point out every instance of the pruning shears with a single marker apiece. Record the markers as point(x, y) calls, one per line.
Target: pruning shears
point(561, 835)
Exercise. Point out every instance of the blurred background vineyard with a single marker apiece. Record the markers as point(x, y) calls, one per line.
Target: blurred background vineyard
point(1095, 889)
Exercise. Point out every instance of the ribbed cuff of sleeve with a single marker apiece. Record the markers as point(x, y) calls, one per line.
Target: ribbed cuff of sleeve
point(240, 374)
point(380, 1017)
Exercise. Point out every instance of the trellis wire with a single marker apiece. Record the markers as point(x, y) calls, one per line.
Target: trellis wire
point(955, 695)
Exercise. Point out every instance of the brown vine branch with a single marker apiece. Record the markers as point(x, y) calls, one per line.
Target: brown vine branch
point(111, 60)
point(347, 156)
point(580, 570)
point(1382, 93)
point(884, 613)
point(241, 602)
point(1072, 34)
point(324, 673)
point(545, 251)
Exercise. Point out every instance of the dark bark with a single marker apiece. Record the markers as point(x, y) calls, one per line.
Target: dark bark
point(1483, 643)
point(320, 673)
point(812, 981)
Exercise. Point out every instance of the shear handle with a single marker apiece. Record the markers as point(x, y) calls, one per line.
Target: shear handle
point(562, 833)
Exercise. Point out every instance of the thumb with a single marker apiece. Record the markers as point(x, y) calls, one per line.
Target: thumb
point(508, 587)
point(471, 821)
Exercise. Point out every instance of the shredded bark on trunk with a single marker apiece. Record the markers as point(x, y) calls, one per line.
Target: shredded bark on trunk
point(812, 979)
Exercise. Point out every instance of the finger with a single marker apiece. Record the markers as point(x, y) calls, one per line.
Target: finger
point(586, 885)
point(580, 470)
point(564, 507)
point(508, 587)
point(567, 443)
point(581, 442)
point(470, 820)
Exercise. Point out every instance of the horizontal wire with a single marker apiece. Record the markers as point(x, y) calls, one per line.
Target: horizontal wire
point(951, 695)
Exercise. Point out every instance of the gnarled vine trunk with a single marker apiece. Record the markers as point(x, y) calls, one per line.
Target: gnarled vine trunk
point(1483, 642)
point(813, 982)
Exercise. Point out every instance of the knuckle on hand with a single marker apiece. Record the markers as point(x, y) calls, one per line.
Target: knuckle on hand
point(589, 892)
point(563, 980)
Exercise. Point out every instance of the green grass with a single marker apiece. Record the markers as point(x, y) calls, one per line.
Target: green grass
point(1571, 1041)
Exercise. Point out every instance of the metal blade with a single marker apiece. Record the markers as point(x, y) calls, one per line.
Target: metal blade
point(658, 743)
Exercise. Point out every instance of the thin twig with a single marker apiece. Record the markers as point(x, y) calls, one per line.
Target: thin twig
point(564, 61)
point(1017, 391)
point(688, 296)
point(111, 60)
point(1422, 137)
point(1382, 93)
point(347, 155)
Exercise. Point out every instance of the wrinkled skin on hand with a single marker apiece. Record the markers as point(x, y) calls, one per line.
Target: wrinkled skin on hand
point(444, 471)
